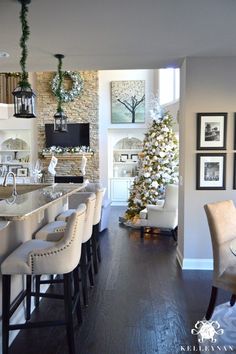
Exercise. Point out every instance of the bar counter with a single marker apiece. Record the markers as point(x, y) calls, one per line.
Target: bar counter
point(21, 216)
point(27, 202)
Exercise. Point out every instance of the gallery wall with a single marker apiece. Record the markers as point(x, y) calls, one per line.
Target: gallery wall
point(207, 85)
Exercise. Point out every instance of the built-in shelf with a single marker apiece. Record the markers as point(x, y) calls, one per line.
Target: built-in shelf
point(125, 163)
point(15, 150)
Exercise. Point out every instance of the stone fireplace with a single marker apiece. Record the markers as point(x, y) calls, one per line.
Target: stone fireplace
point(84, 109)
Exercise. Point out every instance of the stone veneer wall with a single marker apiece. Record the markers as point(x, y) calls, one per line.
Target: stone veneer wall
point(84, 109)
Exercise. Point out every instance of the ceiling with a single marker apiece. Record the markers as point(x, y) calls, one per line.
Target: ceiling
point(117, 34)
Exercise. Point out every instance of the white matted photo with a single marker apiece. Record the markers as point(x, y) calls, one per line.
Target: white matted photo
point(22, 172)
point(211, 131)
point(211, 171)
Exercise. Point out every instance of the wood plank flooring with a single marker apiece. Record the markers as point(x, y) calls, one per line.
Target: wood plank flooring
point(142, 303)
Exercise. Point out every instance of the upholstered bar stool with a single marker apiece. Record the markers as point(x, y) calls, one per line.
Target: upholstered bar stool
point(54, 231)
point(79, 198)
point(44, 257)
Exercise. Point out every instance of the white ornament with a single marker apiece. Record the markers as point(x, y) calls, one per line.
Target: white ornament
point(154, 184)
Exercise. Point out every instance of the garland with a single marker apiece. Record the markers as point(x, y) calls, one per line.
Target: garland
point(63, 95)
point(24, 51)
point(67, 150)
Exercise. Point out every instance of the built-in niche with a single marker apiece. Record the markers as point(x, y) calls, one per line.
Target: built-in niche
point(125, 157)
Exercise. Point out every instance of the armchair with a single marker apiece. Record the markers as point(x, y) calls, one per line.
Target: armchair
point(164, 215)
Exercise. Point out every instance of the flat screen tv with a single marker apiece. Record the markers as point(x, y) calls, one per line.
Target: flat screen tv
point(77, 135)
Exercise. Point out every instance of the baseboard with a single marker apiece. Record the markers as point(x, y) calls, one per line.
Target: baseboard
point(194, 263)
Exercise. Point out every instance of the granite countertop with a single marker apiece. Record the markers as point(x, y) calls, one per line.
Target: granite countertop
point(23, 205)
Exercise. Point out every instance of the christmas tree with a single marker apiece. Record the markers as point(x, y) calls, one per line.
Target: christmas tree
point(158, 163)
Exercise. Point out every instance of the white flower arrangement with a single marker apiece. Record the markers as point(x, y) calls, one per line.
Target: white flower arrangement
point(67, 150)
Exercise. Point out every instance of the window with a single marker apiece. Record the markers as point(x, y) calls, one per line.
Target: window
point(169, 85)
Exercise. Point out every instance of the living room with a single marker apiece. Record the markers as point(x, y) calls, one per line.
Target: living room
point(201, 46)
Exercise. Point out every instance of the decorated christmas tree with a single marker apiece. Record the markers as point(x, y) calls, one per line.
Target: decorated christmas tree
point(158, 163)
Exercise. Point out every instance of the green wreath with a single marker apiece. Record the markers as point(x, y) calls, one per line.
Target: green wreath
point(77, 86)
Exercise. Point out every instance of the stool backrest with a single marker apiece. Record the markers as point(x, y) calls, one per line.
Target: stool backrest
point(64, 256)
point(92, 187)
point(98, 206)
point(88, 224)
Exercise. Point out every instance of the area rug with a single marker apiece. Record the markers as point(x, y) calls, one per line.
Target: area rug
point(220, 331)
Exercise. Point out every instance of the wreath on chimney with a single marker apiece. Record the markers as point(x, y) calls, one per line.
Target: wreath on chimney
point(67, 95)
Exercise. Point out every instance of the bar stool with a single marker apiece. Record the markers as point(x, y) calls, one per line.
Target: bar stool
point(79, 198)
point(44, 257)
point(54, 231)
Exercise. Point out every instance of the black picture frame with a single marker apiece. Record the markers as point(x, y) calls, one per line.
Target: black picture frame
point(134, 157)
point(22, 172)
point(234, 173)
point(211, 131)
point(124, 157)
point(235, 131)
point(210, 171)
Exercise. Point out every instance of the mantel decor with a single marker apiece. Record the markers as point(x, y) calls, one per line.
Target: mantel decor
point(211, 171)
point(23, 93)
point(77, 86)
point(59, 150)
point(211, 131)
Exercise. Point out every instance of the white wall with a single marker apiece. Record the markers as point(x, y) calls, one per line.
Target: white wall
point(207, 85)
point(105, 126)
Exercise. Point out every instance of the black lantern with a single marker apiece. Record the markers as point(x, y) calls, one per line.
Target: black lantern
point(23, 102)
point(60, 122)
point(23, 94)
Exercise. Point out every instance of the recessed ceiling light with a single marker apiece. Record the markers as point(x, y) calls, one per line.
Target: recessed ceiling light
point(4, 54)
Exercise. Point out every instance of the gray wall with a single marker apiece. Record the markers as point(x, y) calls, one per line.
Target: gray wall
point(207, 85)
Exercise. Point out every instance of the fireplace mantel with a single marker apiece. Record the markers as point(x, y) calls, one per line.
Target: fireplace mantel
point(68, 156)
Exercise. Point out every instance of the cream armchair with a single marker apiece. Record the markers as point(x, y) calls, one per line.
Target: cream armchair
point(164, 215)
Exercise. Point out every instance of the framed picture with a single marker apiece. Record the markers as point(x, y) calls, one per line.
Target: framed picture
point(124, 157)
point(234, 131)
point(128, 101)
point(14, 169)
point(211, 171)
point(22, 172)
point(134, 157)
point(234, 177)
point(211, 131)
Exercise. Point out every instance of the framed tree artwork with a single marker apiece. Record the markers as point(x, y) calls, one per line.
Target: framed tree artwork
point(211, 171)
point(128, 101)
point(211, 131)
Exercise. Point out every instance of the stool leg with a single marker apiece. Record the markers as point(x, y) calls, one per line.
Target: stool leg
point(37, 290)
point(68, 312)
point(6, 295)
point(83, 265)
point(77, 295)
point(94, 249)
point(28, 297)
point(98, 243)
point(91, 279)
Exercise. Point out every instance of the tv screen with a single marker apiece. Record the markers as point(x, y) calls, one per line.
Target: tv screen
point(77, 135)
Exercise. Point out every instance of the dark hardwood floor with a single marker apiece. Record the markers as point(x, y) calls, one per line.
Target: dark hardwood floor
point(142, 303)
